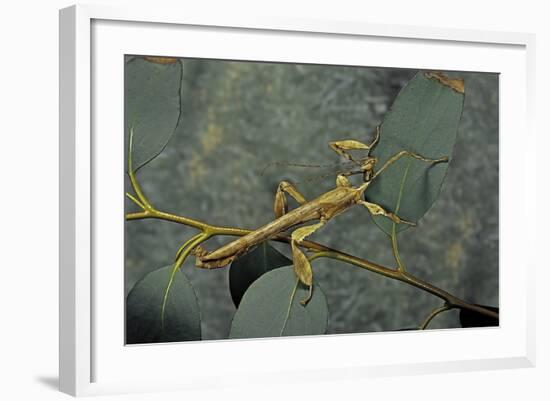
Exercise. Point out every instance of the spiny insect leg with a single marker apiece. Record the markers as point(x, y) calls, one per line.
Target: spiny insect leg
point(280, 206)
point(404, 153)
point(302, 267)
point(375, 209)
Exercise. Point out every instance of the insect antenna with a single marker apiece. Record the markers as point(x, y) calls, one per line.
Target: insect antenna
point(299, 165)
point(316, 178)
point(327, 170)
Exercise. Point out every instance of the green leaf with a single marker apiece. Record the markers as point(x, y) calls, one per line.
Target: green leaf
point(152, 106)
point(249, 267)
point(144, 307)
point(271, 308)
point(469, 318)
point(424, 119)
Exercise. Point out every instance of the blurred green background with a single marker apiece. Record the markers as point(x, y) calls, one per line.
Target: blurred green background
point(237, 117)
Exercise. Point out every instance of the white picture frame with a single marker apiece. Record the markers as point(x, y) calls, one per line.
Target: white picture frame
point(93, 359)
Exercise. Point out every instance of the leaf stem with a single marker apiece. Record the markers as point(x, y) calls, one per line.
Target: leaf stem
point(433, 314)
point(400, 265)
point(292, 295)
point(395, 250)
point(131, 173)
point(180, 259)
point(133, 199)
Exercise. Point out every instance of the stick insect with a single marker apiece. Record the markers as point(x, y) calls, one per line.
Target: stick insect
point(323, 208)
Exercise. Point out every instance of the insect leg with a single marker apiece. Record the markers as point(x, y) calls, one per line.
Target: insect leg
point(302, 267)
point(404, 153)
point(280, 205)
point(342, 180)
point(376, 137)
point(342, 147)
point(375, 209)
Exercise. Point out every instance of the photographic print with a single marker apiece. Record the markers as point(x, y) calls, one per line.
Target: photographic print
point(269, 199)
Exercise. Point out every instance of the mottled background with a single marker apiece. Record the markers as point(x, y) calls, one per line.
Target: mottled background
point(239, 116)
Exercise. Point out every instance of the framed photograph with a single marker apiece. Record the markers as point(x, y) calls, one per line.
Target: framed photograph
point(263, 197)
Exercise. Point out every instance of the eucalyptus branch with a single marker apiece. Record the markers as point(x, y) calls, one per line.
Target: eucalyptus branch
point(407, 278)
point(208, 231)
point(319, 251)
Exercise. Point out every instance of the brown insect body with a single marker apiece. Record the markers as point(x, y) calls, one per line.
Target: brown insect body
point(325, 206)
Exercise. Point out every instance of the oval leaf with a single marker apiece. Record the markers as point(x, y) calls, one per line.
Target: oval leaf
point(144, 309)
point(271, 308)
point(249, 267)
point(152, 108)
point(423, 119)
point(469, 318)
